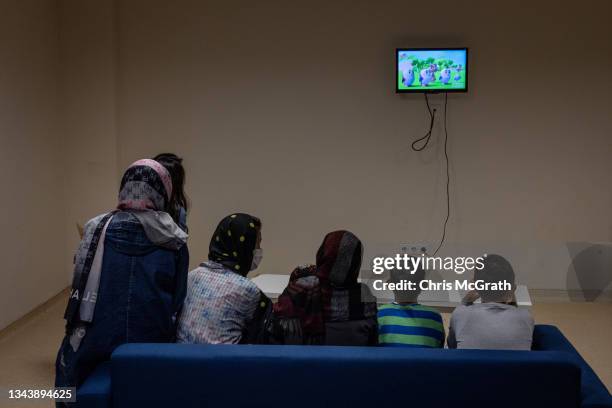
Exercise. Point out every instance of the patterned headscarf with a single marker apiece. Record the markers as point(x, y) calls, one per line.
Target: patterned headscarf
point(233, 242)
point(338, 265)
point(328, 291)
point(339, 259)
point(146, 185)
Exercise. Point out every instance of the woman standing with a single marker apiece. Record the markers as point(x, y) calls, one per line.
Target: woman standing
point(324, 303)
point(130, 275)
point(178, 200)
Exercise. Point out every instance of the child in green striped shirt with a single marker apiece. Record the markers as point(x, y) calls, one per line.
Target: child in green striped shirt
point(406, 323)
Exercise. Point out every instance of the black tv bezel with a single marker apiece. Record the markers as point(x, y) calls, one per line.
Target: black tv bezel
point(432, 91)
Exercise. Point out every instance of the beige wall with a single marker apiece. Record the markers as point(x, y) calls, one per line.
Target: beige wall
point(87, 82)
point(32, 243)
point(286, 110)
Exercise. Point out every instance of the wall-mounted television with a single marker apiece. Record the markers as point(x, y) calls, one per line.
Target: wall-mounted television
point(431, 70)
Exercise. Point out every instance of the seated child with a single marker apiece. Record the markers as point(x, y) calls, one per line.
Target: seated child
point(407, 323)
point(496, 323)
point(222, 305)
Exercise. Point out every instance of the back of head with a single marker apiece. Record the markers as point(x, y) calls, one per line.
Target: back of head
point(339, 259)
point(406, 295)
point(174, 165)
point(496, 269)
point(146, 185)
point(234, 241)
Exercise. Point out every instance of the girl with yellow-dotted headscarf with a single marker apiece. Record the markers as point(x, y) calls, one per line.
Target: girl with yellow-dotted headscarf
point(222, 305)
point(235, 243)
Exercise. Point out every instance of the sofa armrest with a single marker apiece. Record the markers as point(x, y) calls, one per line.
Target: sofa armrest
point(95, 392)
point(594, 393)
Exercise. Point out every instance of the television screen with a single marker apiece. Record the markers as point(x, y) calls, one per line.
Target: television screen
point(431, 69)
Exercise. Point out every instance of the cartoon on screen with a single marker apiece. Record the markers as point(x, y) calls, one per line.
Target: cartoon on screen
point(431, 70)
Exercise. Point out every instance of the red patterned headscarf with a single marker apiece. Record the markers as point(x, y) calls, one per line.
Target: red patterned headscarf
point(328, 291)
point(338, 265)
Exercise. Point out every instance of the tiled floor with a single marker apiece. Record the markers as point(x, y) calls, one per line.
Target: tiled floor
point(27, 349)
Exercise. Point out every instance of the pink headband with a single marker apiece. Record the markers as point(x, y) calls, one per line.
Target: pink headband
point(160, 170)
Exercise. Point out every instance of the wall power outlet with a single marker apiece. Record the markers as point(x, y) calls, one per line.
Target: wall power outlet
point(414, 248)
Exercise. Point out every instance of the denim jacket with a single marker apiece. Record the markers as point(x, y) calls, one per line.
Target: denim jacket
point(142, 288)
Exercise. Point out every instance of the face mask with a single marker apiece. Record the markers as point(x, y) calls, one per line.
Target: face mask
point(257, 257)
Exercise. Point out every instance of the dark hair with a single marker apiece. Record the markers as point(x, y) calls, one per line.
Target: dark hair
point(496, 268)
point(257, 222)
point(174, 165)
point(398, 275)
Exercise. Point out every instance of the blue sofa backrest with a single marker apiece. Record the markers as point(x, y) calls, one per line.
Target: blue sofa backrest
point(179, 375)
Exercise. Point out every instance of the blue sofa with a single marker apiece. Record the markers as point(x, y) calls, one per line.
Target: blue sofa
point(179, 375)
